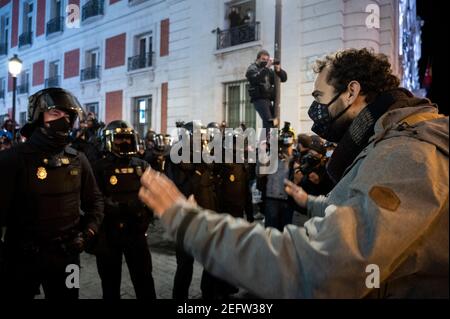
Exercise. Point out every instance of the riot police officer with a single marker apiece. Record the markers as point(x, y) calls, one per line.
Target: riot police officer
point(51, 205)
point(126, 219)
point(196, 179)
point(157, 155)
point(84, 141)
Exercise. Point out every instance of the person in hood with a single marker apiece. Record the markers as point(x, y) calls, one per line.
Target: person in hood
point(382, 231)
point(51, 205)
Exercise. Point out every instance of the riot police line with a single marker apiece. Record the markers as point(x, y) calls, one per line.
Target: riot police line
point(70, 184)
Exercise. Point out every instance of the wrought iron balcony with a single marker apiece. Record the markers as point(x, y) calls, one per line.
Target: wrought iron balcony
point(3, 48)
point(238, 35)
point(22, 88)
point(92, 8)
point(140, 61)
point(25, 39)
point(55, 25)
point(90, 73)
point(53, 81)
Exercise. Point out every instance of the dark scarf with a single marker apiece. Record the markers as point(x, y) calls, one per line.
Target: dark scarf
point(362, 128)
point(46, 144)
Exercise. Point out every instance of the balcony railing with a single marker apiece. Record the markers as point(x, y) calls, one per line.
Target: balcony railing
point(22, 88)
point(238, 35)
point(55, 25)
point(52, 81)
point(3, 48)
point(25, 39)
point(140, 61)
point(92, 8)
point(2, 94)
point(90, 73)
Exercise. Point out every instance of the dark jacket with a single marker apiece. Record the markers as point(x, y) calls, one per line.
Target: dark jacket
point(119, 182)
point(41, 200)
point(262, 82)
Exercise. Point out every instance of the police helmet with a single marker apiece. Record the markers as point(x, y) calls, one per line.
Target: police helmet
point(119, 138)
point(48, 99)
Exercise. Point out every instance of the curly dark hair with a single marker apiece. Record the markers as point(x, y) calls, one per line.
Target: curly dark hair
point(372, 71)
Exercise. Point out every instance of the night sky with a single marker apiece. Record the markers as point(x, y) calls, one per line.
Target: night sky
point(435, 42)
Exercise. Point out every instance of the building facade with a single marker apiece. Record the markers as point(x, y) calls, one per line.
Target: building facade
point(154, 62)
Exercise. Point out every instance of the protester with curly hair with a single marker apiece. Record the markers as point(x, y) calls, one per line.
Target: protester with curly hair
point(381, 232)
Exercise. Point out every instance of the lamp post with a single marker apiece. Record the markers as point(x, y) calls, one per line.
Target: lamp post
point(14, 67)
point(277, 55)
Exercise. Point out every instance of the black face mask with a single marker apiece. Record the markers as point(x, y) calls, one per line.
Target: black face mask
point(57, 129)
point(323, 122)
point(263, 64)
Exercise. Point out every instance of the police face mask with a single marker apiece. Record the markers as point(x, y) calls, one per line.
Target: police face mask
point(59, 128)
point(323, 121)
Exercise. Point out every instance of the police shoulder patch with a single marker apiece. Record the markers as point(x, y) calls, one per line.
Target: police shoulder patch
point(384, 197)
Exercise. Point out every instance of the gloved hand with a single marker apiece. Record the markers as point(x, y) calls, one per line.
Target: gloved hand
point(82, 239)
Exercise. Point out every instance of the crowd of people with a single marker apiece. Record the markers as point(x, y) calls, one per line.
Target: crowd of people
point(372, 184)
point(117, 156)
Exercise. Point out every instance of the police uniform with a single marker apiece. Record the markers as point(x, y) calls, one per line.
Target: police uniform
point(41, 195)
point(124, 228)
point(51, 205)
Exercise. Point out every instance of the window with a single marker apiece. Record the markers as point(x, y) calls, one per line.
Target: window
point(22, 118)
point(238, 108)
point(56, 22)
point(92, 65)
point(92, 8)
point(23, 80)
point(4, 34)
point(27, 24)
point(142, 114)
point(240, 25)
point(92, 108)
point(143, 52)
point(55, 9)
point(53, 75)
point(2, 88)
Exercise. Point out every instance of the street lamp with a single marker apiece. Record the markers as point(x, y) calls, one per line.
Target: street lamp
point(14, 67)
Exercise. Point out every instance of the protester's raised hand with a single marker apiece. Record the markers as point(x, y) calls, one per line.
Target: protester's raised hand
point(158, 192)
point(296, 192)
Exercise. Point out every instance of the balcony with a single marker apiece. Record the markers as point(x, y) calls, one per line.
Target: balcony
point(3, 48)
point(90, 73)
point(53, 81)
point(92, 8)
point(22, 88)
point(140, 61)
point(238, 35)
point(2, 94)
point(55, 25)
point(25, 39)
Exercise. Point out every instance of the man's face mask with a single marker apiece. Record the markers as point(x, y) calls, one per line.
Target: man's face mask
point(288, 140)
point(123, 145)
point(59, 128)
point(323, 122)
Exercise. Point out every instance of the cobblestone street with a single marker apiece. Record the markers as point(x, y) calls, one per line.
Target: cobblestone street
point(164, 267)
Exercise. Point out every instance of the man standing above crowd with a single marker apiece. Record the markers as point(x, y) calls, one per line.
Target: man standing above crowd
point(262, 89)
